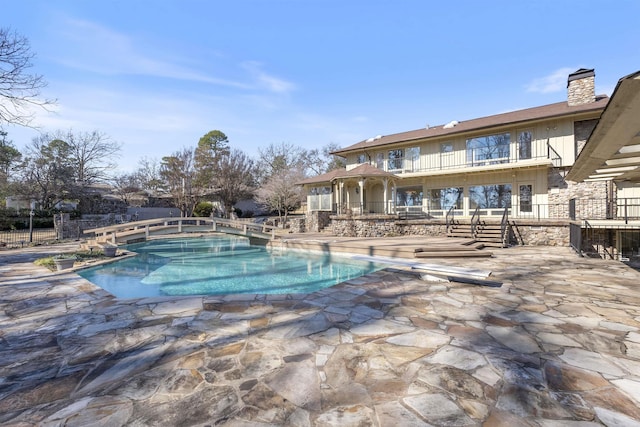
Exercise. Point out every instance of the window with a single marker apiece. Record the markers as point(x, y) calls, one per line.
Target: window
point(526, 198)
point(445, 198)
point(446, 147)
point(395, 159)
point(413, 158)
point(361, 159)
point(380, 161)
point(409, 196)
point(319, 198)
point(488, 150)
point(490, 196)
point(524, 144)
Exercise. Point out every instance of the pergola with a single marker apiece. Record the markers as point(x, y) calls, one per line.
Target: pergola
point(612, 152)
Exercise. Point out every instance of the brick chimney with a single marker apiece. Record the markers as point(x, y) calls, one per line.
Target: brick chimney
point(581, 87)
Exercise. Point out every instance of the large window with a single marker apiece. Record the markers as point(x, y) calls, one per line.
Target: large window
point(490, 196)
point(395, 159)
point(524, 144)
point(409, 196)
point(413, 159)
point(445, 198)
point(488, 150)
point(361, 159)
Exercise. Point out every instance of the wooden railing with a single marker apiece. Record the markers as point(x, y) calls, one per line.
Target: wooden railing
point(243, 228)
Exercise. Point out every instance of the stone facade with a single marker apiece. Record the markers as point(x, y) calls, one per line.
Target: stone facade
point(297, 225)
point(592, 198)
point(581, 133)
point(581, 87)
point(316, 221)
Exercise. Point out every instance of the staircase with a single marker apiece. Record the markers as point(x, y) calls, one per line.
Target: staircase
point(490, 235)
point(493, 234)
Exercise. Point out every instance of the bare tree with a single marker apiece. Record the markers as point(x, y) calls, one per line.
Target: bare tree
point(177, 172)
point(127, 187)
point(148, 173)
point(234, 179)
point(19, 90)
point(94, 154)
point(322, 160)
point(280, 193)
point(281, 166)
point(47, 173)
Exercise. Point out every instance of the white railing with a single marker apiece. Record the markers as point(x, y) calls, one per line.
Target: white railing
point(146, 227)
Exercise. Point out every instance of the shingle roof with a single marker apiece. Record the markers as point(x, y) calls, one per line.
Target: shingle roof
point(530, 114)
point(363, 170)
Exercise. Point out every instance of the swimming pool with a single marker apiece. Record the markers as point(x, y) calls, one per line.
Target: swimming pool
point(220, 265)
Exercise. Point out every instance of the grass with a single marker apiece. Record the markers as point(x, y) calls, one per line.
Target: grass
point(81, 256)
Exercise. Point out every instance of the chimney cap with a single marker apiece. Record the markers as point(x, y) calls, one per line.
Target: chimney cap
point(581, 74)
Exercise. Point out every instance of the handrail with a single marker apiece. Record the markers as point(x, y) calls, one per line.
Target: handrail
point(551, 149)
point(449, 218)
point(475, 219)
point(504, 223)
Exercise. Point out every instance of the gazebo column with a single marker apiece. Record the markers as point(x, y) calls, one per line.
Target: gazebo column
point(385, 197)
point(361, 185)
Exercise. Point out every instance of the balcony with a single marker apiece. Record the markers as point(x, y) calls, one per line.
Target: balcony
point(540, 151)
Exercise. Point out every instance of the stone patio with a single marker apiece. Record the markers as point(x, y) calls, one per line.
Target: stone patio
point(558, 344)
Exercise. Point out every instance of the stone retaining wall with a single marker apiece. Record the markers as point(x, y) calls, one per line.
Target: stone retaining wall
point(542, 233)
point(316, 221)
point(67, 228)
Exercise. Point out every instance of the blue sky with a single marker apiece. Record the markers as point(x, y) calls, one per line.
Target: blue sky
point(156, 75)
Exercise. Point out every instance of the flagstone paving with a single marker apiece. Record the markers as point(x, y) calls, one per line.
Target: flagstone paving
point(558, 344)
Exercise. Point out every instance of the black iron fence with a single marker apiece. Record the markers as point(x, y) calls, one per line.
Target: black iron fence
point(20, 238)
point(624, 209)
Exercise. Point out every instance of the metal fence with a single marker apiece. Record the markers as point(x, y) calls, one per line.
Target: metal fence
point(591, 209)
point(20, 238)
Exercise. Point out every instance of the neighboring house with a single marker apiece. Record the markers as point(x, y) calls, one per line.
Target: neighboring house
point(510, 165)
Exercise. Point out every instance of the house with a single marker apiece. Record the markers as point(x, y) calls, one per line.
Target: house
point(507, 167)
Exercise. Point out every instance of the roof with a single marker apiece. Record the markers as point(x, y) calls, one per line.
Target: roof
point(612, 152)
point(364, 170)
point(549, 111)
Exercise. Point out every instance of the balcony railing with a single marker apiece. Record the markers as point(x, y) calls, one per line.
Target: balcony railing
point(625, 209)
point(471, 157)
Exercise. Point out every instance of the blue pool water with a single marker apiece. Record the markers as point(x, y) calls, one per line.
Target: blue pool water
point(220, 265)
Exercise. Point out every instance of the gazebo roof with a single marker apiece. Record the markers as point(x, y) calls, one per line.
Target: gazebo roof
point(364, 170)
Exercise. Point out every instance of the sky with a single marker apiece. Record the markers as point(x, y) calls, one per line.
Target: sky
point(156, 75)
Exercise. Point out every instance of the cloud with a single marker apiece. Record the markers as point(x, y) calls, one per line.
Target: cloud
point(267, 81)
point(554, 82)
point(88, 46)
